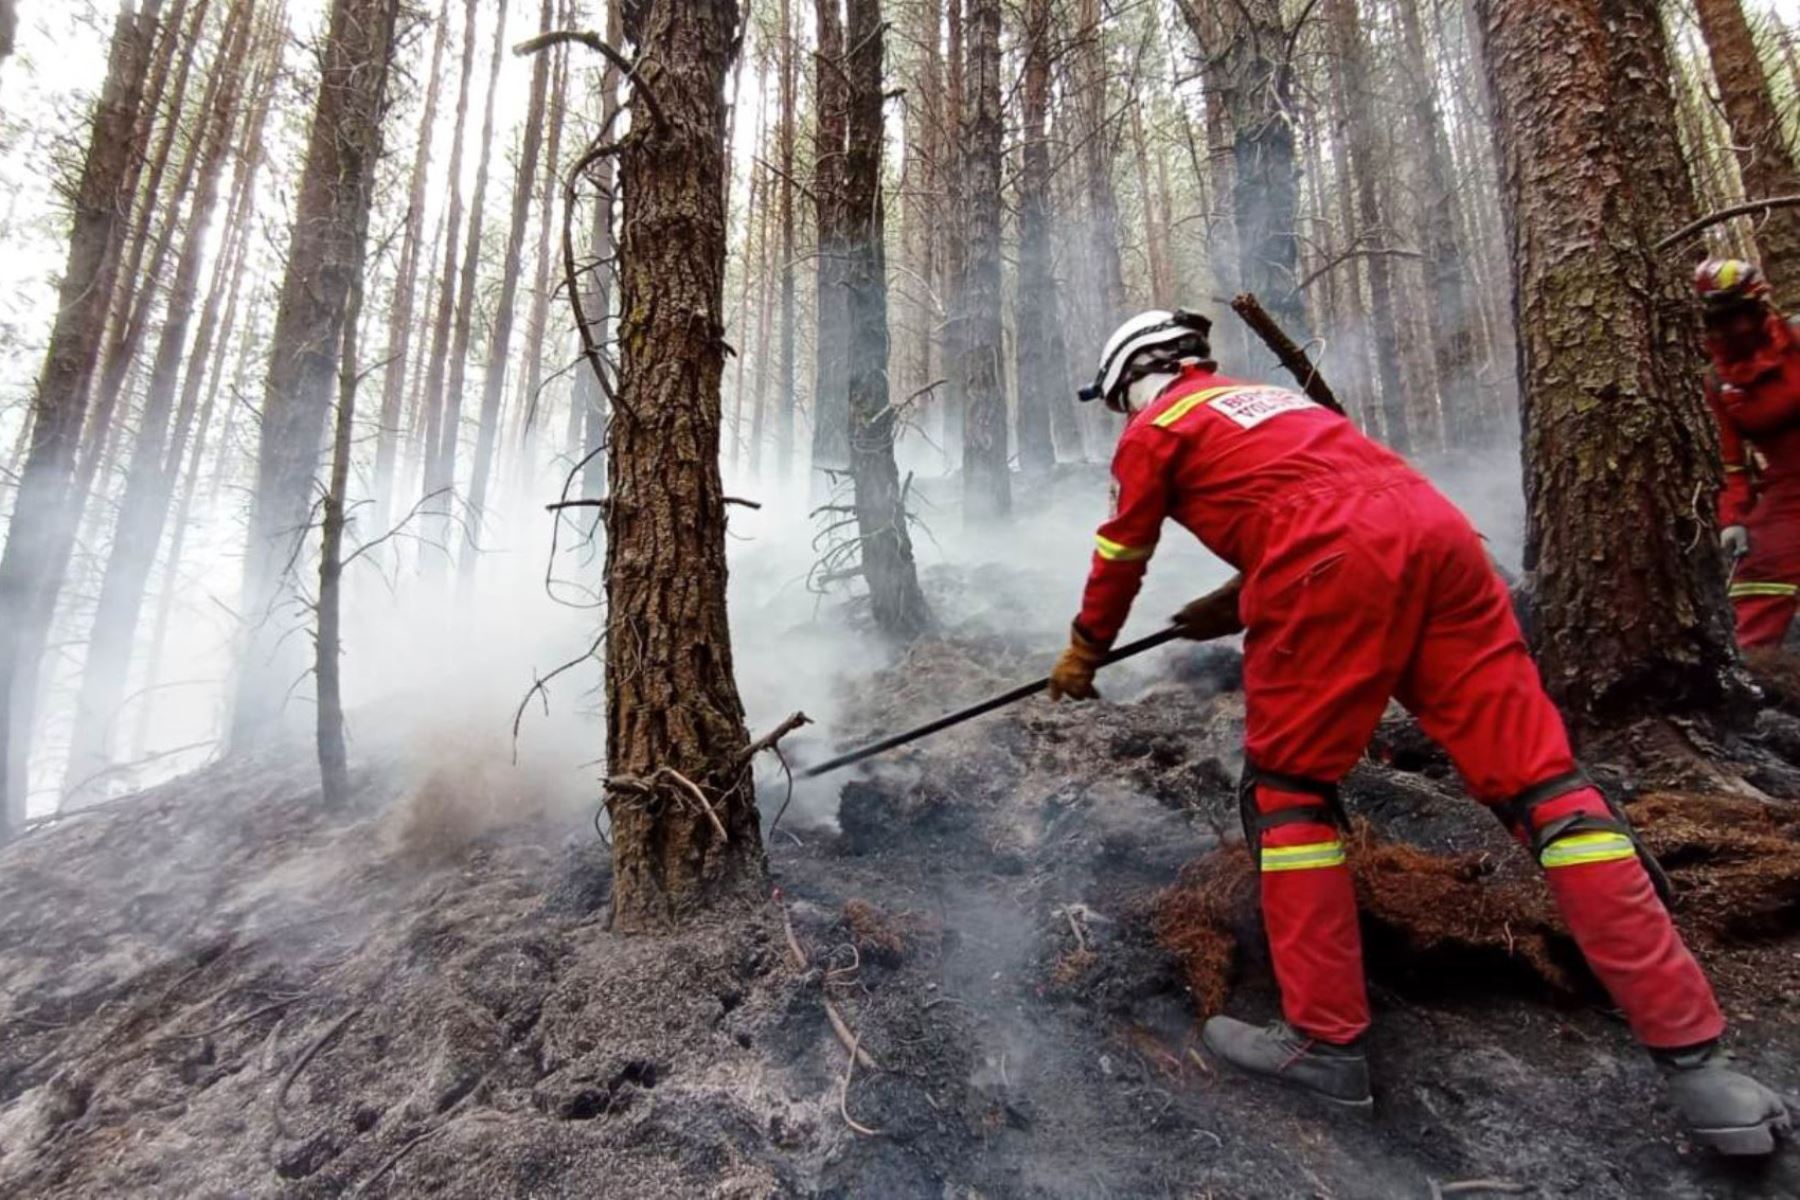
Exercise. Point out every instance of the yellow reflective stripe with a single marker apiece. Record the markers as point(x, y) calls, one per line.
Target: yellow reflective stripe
point(1727, 274)
point(1731, 470)
point(1764, 589)
point(1119, 551)
point(1308, 857)
point(1579, 848)
point(1188, 404)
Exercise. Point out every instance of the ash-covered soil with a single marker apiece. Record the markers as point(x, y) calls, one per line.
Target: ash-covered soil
point(217, 989)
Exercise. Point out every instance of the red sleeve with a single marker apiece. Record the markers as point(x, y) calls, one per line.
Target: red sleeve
point(1124, 543)
point(1735, 498)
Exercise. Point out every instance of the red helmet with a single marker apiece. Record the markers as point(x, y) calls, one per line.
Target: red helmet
point(1725, 282)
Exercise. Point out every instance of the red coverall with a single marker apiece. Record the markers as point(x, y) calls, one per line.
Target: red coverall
point(1758, 400)
point(1363, 583)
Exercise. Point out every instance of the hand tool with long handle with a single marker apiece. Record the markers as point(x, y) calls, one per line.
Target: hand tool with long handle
point(975, 710)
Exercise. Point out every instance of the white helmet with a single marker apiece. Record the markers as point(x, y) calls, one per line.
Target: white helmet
point(1157, 338)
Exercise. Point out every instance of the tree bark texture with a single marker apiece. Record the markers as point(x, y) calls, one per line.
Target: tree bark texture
point(885, 546)
point(1620, 456)
point(1764, 158)
point(671, 700)
point(987, 473)
point(40, 506)
point(324, 252)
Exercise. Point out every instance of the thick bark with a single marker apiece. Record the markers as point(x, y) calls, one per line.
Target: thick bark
point(1621, 462)
point(40, 517)
point(493, 383)
point(987, 474)
point(324, 252)
point(1045, 419)
point(150, 480)
point(831, 413)
point(432, 427)
point(1764, 157)
point(884, 546)
point(671, 700)
point(1364, 159)
point(406, 276)
point(953, 226)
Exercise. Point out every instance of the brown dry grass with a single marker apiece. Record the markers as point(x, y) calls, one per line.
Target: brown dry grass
point(1735, 862)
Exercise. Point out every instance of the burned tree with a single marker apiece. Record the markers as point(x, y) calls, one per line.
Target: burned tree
point(1629, 586)
point(1042, 360)
point(987, 477)
point(883, 542)
point(685, 831)
point(493, 382)
point(30, 565)
point(324, 254)
point(831, 421)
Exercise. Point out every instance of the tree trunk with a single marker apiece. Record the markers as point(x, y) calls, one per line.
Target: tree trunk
point(406, 275)
point(1629, 602)
point(987, 474)
point(602, 251)
point(493, 384)
point(40, 514)
point(1045, 419)
point(1451, 312)
point(441, 465)
point(831, 414)
point(885, 546)
point(363, 145)
point(671, 700)
point(953, 224)
point(784, 424)
point(1763, 155)
point(150, 481)
point(1365, 161)
point(324, 254)
point(432, 428)
point(549, 193)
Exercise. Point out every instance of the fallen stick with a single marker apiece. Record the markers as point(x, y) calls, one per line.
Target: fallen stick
point(853, 1044)
point(1505, 1186)
point(1302, 368)
point(312, 1051)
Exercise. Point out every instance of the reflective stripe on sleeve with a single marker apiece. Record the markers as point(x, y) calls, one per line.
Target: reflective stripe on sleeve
point(1731, 470)
point(1308, 857)
point(1764, 589)
point(1579, 848)
point(1119, 552)
point(1188, 404)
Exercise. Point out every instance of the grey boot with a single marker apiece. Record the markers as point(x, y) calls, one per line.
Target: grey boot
point(1724, 1108)
point(1339, 1074)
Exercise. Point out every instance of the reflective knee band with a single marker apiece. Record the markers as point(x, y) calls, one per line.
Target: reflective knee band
point(1579, 838)
point(1328, 809)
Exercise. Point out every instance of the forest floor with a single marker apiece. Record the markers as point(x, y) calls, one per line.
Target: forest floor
point(217, 988)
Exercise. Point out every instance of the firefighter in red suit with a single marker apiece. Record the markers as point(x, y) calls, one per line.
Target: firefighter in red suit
point(1359, 582)
point(1754, 391)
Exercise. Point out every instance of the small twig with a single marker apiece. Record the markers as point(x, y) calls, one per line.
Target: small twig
point(1505, 1186)
point(559, 505)
point(787, 927)
point(236, 1021)
point(312, 1051)
point(743, 503)
point(595, 42)
point(842, 1029)
point(844, 1094)
point(394, 1158)
point(693, 789)
point(1725, 214)
point(1075, 928)
point(768, 740)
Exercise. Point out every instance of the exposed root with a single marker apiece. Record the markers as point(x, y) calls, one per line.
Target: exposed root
point(300, 1064)
point(1735, 862)
point(844, 1088)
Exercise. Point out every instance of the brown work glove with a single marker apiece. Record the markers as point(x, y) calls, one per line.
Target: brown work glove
point(1073, 675)
point(1214, 615)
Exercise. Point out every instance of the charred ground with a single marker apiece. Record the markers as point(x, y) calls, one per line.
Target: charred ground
point(218, 988)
